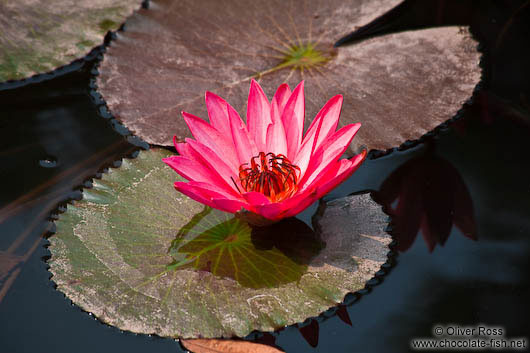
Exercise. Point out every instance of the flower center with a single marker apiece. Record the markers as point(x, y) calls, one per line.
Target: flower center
point(272, 175)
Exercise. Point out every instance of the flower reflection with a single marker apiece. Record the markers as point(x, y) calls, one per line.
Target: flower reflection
point(427, 193)
point(310, 332)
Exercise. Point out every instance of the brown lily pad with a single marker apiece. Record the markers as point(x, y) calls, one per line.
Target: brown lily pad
point(144, 258)
point(399, 86)
point(37, 36)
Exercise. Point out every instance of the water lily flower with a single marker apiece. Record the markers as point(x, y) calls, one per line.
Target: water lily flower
point(266, 169)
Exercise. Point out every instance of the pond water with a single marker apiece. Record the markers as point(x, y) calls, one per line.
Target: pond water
point(460, 203)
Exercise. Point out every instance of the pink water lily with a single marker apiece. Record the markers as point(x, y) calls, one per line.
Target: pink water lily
point(265, 169)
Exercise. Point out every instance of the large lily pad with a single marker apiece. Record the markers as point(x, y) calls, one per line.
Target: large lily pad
point(399, 86)
point(147, 259)
point(37, 36)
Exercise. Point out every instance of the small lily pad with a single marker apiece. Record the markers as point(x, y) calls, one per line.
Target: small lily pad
point(145, 258)
point(399, 86)
point(226, 346)
point(39, 36)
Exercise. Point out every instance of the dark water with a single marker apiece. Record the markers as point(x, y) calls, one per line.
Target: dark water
point(460, 203)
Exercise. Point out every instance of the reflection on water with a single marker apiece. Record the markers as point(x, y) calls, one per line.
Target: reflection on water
point(226, 246)
point(427, 193)
point(310, 332)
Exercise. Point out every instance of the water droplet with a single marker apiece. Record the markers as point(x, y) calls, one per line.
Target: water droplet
point(48, 162)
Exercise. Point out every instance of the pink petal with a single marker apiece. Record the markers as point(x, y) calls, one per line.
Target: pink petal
point(324, 124)
point(327, 118)
point(184, 149)
point(335, 176)
point(303, 200)
point(279, 101)
point(181, 147)
point(288, 207)
point(328, 152)
point(293, 120)
point(244, 144)
point(203, 154)
point(273, 211)
point(258, 115)
point(300, 203)
point(218, 113)
point(213, 139)
point(256, 198)
point(194, 170)
point(195, 193)
point(210, 195)
point(227, 205)
point(276, 141)
point(207, 190)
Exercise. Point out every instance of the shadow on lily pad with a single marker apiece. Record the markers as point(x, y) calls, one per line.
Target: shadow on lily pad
point(228, 247)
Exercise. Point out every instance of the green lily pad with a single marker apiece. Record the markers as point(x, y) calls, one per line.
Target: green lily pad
point(39, 36)
point(399, 86)
point(145, 258)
